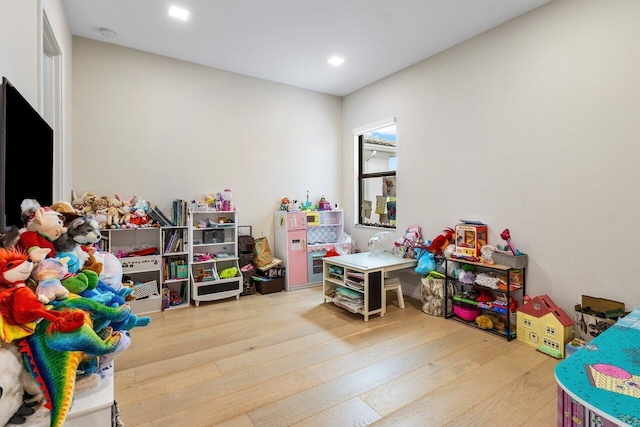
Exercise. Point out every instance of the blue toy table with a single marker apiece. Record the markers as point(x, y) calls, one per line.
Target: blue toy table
point(600, 383)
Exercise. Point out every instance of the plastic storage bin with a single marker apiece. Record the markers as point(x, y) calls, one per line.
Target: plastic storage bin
point(466, 312)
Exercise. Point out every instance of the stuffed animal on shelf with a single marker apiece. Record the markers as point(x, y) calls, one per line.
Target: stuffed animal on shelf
point(113, 213)
point(139, 216)
point(99, 208)
point(125, 213)
point(228, 273)
point(77, 203)
point(88, 199)
point(44, 227)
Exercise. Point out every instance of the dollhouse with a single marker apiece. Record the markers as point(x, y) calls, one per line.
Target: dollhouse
point(544, 325)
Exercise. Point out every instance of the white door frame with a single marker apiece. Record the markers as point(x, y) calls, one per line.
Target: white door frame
point(51, 49)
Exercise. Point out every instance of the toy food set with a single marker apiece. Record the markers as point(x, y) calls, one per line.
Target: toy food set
point(573, 346)
point(470, 238)
point(595, 315)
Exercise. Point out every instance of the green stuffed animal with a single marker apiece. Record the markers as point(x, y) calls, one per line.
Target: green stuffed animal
point(229, 273)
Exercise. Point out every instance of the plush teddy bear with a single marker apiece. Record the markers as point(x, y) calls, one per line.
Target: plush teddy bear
point(100, 206)
point(44, 227)
point(113, 213)
point(490, 321)
point(88, 198)
point(484, 322)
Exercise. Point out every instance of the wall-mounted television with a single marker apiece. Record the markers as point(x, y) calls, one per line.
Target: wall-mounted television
point(26, 156)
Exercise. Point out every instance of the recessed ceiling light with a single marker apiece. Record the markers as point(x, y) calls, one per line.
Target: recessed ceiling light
point(179, 13)
point(336, 60)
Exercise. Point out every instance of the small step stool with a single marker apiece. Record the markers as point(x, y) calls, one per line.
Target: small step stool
point(393, 284)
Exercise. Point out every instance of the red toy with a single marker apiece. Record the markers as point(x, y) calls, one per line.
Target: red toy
point(19, 305)
point(439, 244)
point(506, 236)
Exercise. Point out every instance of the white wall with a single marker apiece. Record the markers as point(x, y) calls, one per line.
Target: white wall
point(165, 129)
point(531, 126)
point(20, 56)
point(18, 46)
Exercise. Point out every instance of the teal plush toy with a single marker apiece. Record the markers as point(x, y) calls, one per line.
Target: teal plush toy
point(426, 261)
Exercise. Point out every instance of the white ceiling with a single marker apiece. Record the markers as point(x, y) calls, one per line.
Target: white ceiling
point(290, 41)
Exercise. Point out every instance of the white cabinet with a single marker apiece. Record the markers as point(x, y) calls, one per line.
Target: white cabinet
point(139, 251)
point(213, 254)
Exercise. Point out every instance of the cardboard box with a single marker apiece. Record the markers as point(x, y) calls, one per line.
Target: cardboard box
point(595, 315)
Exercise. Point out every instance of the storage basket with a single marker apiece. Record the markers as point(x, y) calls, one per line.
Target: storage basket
point(245, 259)
point(433, 296)
point(245, 241)
point(146, 289)
point(513, 261)
point(466, 312)
point(273, 272)
point(269, 286)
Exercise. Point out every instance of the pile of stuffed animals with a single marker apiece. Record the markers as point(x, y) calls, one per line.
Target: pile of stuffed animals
point(112, 212)
point(64, 314)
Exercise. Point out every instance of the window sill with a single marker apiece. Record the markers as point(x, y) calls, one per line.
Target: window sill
point(374, 227)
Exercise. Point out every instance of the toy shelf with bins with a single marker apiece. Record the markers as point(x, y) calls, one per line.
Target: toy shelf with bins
point(125, 243)
point(213, 248)
point(175, 266)
point(516, 288)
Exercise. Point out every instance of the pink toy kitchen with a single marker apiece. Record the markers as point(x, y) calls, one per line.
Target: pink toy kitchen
point(302, 239)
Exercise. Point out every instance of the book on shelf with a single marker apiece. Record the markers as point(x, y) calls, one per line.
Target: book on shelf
point(182, 271)
point(156, 218)
point(179, 212)
point(175, 269)
point(167, 221)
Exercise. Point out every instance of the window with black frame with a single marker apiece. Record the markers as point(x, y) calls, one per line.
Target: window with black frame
point(377, 177)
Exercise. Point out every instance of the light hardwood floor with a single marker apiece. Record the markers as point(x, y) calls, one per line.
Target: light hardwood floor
point(287, 359)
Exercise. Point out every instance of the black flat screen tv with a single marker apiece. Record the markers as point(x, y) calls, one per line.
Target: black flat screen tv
point(26, 156)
